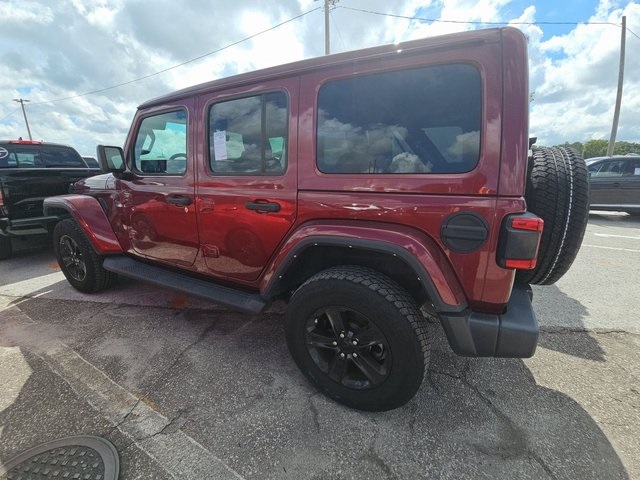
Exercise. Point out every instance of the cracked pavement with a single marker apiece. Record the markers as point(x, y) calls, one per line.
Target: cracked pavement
point(213, 394)
point(187, 390)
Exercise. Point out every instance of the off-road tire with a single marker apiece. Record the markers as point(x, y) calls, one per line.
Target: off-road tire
point(67, 232)
point(5, 247)
point(366, 294)
point(558, 192)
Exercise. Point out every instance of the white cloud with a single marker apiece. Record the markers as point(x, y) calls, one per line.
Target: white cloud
point(575, 78)
point(25, 12)
point(51, 50)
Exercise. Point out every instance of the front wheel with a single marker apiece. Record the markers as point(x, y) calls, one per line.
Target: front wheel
point(358, 337)
point(78, 260)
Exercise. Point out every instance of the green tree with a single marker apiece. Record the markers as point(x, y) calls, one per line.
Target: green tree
point(595, 148)
point(622, 148)
point(577, 146)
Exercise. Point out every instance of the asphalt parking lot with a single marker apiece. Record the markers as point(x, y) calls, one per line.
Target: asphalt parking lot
point(187, 390)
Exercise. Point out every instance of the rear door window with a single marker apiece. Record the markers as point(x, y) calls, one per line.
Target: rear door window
point(248, 136)
point(424, 120)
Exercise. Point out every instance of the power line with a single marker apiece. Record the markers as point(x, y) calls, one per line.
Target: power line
point(335, 24)
point(477, 22)
point(422, 19)
point(180, 64)
point(631, 32)
point(7, 116)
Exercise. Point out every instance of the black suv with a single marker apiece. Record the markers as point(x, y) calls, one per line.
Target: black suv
point(30, 171)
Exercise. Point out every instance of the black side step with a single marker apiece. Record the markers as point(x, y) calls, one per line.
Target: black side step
point(235, 299)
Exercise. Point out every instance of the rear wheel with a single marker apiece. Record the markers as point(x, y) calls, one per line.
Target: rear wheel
point(78, 260)
point(5, 247)
point(358, 337)
point(558, 192)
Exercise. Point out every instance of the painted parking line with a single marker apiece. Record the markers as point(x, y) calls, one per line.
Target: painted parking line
point(612, 248)
point(609, 235)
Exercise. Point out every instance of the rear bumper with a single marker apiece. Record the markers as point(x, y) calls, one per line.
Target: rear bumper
point(513, 334)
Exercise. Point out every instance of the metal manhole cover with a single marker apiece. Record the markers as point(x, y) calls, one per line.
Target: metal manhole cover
point(81, 457)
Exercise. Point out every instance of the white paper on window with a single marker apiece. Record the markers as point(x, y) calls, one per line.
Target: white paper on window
point(220, 145)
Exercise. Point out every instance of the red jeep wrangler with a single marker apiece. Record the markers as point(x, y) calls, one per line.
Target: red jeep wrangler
point(370, 190)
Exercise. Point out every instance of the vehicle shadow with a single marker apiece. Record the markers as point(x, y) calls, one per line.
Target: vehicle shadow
point(33, 271)
point(230, 381)
point(559, 313)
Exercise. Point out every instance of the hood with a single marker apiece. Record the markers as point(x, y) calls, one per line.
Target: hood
point(106, 181)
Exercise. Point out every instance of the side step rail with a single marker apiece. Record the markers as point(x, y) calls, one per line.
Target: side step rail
point(235, 299)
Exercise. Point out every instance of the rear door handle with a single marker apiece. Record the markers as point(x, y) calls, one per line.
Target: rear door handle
point(262, 206)
point(179, 200)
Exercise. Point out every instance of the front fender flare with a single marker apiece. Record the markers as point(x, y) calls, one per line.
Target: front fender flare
point(89, 214)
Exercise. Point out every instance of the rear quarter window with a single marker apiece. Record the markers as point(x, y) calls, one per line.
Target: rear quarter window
point(61, 157)
point(39, 156)
point(423, 120)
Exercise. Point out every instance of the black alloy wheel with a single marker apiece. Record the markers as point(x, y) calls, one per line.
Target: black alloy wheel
point(72, 258)
point(77, 258)
point(348, 348)
point(359, 337)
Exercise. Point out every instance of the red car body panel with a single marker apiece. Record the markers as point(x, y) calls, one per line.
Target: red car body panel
point(421, 247)
point(89, 214)
point(216, 236)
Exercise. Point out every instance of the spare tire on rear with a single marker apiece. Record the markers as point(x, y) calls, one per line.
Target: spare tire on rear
point(558, 192)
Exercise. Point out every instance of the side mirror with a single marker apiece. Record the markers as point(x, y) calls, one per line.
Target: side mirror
point(111, 159)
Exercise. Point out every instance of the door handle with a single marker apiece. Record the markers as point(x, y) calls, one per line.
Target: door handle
point(262, 206)
point(179, 200)
point(616, 184)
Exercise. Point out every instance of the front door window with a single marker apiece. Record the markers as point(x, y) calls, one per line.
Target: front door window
point(161, 144)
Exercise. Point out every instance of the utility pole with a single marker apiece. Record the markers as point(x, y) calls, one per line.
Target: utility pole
point(327, 41)
point(616, 113)
point(24, 112)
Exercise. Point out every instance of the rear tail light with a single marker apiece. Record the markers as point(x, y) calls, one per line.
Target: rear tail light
point(1, 197)
point(521, 264)
point(533, 224)
point(519, 241)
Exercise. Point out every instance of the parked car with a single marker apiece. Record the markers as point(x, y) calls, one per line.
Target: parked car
point(91, 162)
point(368, 189)
point(29, 172)
point(615, 183)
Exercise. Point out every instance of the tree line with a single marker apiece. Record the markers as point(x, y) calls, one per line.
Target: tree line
point(598, 148)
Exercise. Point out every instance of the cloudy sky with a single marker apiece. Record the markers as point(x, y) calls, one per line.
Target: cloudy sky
point(85, 65)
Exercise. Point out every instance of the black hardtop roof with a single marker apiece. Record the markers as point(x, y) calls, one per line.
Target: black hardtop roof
point(454, 40)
